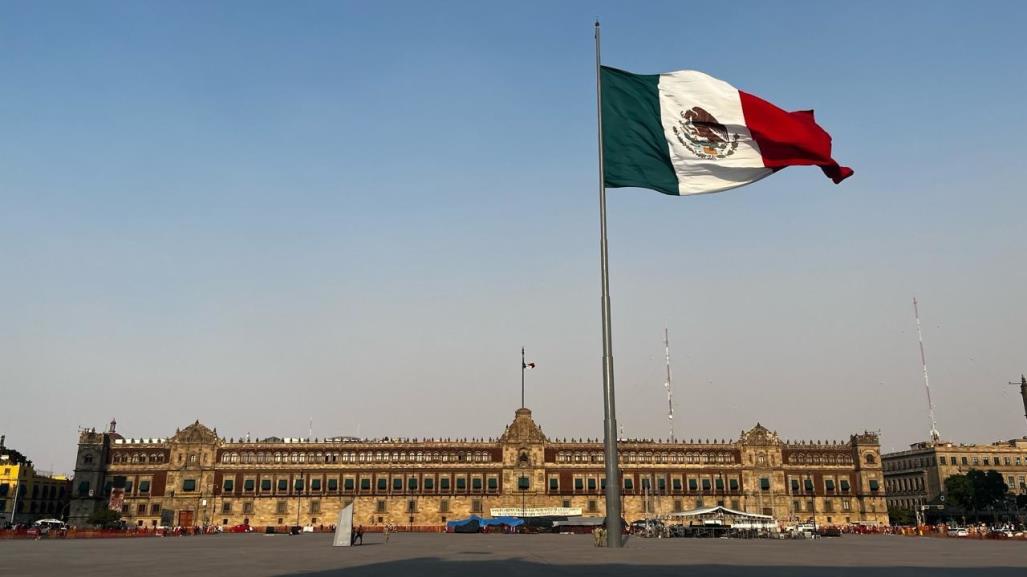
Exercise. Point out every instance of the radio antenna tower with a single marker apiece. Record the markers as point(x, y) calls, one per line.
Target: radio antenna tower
point(935, 435)
point(666, 384)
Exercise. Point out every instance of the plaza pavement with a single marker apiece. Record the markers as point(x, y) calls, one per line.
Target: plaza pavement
point(411, 555)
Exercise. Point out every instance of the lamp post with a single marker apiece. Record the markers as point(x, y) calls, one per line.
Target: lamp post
point(813, 503)
point(17, 491)
point(299, 494)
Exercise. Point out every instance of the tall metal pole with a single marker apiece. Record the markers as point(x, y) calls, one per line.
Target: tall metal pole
point(523, 366)
point(935, 435)
point(670, 397)
point(613, 514)
point(17, 491)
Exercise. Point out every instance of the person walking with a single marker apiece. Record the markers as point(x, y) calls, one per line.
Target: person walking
point(388, 526)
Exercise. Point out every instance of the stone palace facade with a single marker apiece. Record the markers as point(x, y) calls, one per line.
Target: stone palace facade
point(196, 477)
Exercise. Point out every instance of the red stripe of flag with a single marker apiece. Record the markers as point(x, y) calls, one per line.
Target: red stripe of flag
point(790, 138)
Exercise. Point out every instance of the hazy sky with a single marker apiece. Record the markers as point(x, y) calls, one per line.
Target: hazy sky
point(257, 213)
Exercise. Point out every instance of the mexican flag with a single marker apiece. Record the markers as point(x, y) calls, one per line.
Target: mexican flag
point(689, 133)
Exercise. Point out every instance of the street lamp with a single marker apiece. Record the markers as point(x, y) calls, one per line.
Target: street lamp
point(813, 502)
point(299, 493)
point(14, 505)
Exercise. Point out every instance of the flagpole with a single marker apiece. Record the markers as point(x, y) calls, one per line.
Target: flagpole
point(613, 508)
point(523, 366)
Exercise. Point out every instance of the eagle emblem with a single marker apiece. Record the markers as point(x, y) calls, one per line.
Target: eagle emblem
point(700, 133)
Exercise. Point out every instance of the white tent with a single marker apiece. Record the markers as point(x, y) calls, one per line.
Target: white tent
point(723, 516)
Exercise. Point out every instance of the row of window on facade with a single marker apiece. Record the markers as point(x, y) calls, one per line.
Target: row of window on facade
point(829, 486)
point(905, 503)
point(975, 460)
point(26, 506)
point(646, 457)
point(122, 457)
point(904, 484)
point(828, 506)
point(824, 459)
point(248, 457)
point(38, 491)
point(1014, 484)
point(659, 484)
point(84, 487)
point(965, 460)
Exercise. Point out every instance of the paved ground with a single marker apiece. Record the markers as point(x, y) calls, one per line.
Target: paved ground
point(510, 555)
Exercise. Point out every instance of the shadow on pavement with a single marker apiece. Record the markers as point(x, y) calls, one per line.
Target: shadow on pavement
point(522, 568)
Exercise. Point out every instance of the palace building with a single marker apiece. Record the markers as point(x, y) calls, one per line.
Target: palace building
point(196, 477)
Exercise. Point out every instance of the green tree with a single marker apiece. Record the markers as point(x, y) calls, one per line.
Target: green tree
point(898, 516)
point(960, 491)
point(976, 490)
point(989, 488)
point(104, 518)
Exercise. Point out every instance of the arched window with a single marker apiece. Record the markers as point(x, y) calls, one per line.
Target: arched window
point(869, 458)
point(225, 457)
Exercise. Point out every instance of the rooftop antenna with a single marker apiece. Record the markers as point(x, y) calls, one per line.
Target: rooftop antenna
point(935, 435)
point(666, 384)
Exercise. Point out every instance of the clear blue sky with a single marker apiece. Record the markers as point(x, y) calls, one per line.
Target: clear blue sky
point(256, 213)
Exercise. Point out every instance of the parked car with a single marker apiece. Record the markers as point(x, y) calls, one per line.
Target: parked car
point(958, 532)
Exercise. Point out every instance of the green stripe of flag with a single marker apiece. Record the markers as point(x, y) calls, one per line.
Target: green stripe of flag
point(634, 145)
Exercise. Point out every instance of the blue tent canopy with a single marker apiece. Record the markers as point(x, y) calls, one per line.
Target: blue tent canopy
point(508, 521)
point(462, 522)
point(493, 522)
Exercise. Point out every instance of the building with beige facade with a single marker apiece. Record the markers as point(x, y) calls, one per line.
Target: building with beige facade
point(917, 476)
point(196, 477)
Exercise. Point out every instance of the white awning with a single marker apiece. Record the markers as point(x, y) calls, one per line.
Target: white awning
point(721, 511)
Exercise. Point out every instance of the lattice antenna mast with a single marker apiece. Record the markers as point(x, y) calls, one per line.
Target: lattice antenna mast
point(666, 384)
point(935, 435)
